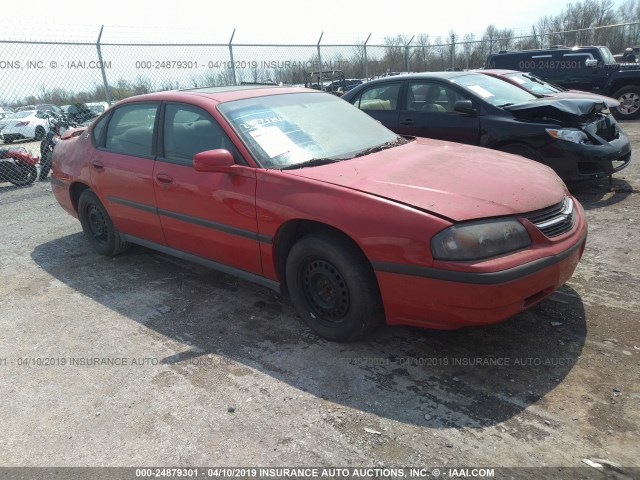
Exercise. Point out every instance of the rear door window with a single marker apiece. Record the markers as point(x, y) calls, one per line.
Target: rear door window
point(130, 130)
point(383, 97)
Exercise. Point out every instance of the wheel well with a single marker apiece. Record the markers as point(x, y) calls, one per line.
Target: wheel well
point(75, 190)
point(615, 86)
point(292, 231)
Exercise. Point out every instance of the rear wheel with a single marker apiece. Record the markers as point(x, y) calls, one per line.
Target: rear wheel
point(333, 287)
point(98, 227)
point(23, 175)
point(629, 98)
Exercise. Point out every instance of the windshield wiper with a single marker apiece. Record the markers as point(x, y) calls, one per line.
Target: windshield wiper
point(378, 148)
point(505, 105)
point(314, 162)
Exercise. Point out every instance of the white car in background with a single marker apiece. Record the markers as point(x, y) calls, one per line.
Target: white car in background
point(25, 124)
point(97, 107)
point(5, 111)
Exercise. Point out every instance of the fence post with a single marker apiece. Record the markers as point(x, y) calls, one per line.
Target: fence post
point(406, 54)
point(320, 83)
point(366, 60)
point(107, 90)
point(233, 64)
point(453, 53)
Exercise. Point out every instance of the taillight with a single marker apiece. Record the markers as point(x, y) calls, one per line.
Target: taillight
point(22, 124)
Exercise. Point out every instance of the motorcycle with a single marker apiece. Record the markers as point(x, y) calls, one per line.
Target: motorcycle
point(78, 116)
point(18, 166)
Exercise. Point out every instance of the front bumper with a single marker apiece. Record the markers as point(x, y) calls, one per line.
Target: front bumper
point(447, 299)
point(578, 162)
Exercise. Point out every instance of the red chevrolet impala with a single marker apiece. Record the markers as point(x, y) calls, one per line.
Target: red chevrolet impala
point(304, 193)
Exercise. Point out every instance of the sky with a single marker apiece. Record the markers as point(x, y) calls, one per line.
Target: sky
point(28, 68)
point(280, 21)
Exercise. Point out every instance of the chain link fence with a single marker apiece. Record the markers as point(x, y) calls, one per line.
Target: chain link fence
point(64, 70)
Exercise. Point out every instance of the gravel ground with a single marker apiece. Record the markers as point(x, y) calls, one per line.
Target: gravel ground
point(148, 360)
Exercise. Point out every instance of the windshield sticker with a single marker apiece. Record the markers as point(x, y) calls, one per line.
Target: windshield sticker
point(519, 80)
point(275, 142)
point(259, 122)
point(484, 93)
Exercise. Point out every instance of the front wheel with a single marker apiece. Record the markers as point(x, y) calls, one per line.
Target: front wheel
point(333, 287)
point(45, 164)
point(40, 132)
point(98, 227)
point(629, 98)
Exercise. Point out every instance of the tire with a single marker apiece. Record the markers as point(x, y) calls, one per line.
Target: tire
point(25, 175)
point(333, 287)
point(98, 227)
point(40, 132)
point(45, 164)
point(629, 98)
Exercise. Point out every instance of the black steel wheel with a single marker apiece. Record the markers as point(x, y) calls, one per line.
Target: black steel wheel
point(97, 225)
point(333, 287)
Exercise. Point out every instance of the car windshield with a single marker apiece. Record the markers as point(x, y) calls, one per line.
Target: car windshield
point(305, 129)
point(490, 89)
point(533, 83)
point(607, 56)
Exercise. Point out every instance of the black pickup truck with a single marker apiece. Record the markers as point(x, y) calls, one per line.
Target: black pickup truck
point(590, 69)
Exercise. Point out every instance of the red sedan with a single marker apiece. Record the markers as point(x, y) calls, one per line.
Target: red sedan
point(299, 191)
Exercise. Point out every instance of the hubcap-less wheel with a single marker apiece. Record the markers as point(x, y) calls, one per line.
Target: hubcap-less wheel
point(97, 224)
point(325, 290)
point(333, 286)
point(629, 103)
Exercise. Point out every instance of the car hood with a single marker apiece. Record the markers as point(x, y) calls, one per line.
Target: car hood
point(610, 102)
point(570, 111)
point(455, 181)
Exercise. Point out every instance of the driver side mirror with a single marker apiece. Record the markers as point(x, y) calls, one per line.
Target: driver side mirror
point(464, 106)
point(219, 160)
point(591, 62)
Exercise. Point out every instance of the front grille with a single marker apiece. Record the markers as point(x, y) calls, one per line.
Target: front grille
point(554, 220)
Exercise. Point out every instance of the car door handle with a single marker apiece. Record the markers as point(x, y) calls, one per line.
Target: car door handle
point(408, 121)
point(97, 164)
point(164, 178)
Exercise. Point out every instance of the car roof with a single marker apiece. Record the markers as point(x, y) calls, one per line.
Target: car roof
point(422, 76)
point(498, 71)
point(554, 48)
point(221, 94)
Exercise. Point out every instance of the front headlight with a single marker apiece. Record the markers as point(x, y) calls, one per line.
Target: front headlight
point(569, 134)
point(479, 239)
